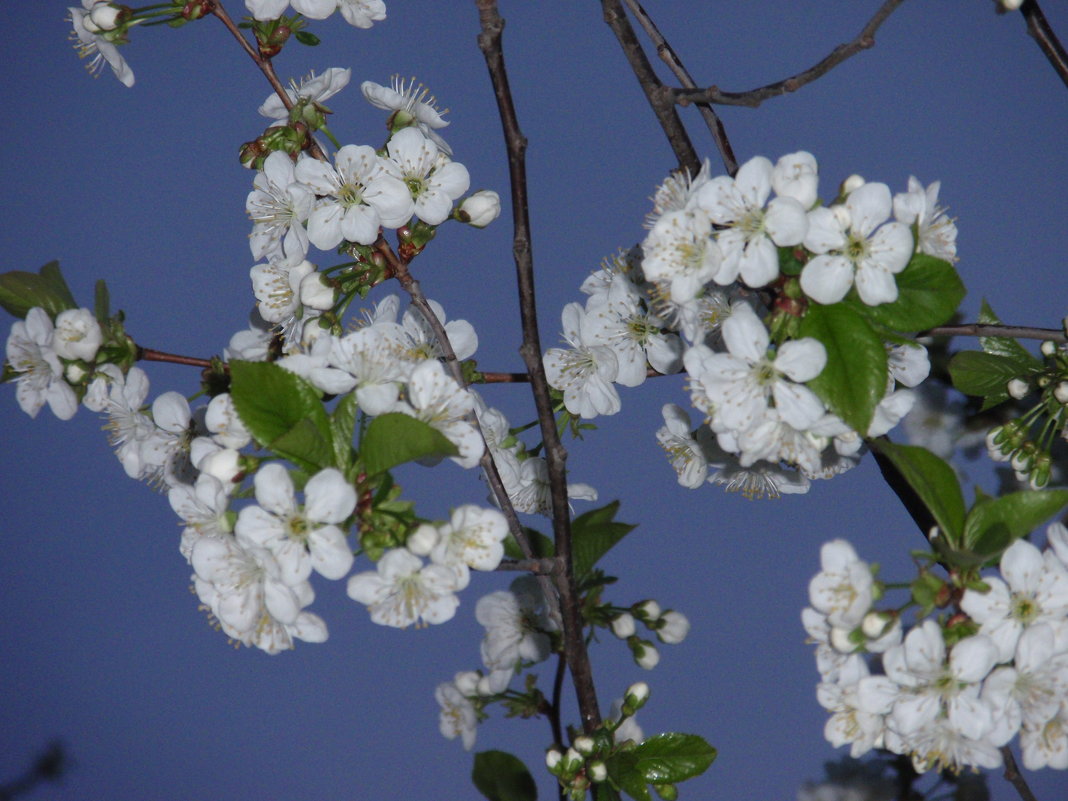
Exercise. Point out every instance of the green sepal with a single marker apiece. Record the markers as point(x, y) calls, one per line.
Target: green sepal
point(987, 375)
point(500, 776)
point(306, 38)
point(101, 302)
point(21, 291)
point(993, 524)
point(593, 534)
point(854, 379)
point(283, 412)
point(394, 438)
point(933, 481)
point(929, 290)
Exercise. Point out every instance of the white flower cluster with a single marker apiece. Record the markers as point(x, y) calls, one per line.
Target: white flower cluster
point(361, 13)
point(517, 636)
point(948, 706)
point(685, 300)
point(670, 626)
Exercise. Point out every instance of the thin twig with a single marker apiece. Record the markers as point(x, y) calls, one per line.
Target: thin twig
point(1013, 776)
point(149, 355)
point(489, 42)
point(998, 330)
point(1047, 40)
point(754, 97)
point(671, 58)
point(660, 97)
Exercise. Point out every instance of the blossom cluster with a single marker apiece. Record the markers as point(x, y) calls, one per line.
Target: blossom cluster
point(945, 700)
point(360, 13)
point(705, 293)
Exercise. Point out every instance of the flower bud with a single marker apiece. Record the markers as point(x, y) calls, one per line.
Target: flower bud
point(841, 641)
point(74, 373)
point(422, 541)
point(224, 464)
point(623, 626)
point(315, 293)
point(584, 745)
point(673, 627)
point(874, 624)
point(572, 761)
point(466, 682)
point(636, 696)
point(1060, 392)
point(851, 183)
point(77, 335)
point(646, 610)
point(1011, 5)
point(104, 16)
point(646, 655)
point(1048, 347)
point(480, 209)
point(1018, 389)
point(552, 760)
point(597, 771)
point(484, 688)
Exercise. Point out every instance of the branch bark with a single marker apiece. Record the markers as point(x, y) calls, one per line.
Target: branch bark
point(489, 42)
point(1039, 29)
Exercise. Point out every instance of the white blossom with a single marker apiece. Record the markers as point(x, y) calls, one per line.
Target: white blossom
point(39, 378)
point(402, 591)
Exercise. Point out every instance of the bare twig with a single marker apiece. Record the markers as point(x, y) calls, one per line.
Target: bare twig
point(998, 330)
point(670, 57)
point(660, 97)
point(149, 355)
point(1012, 775)
point(489, 42)
point(754, 97)
point(1047, 40)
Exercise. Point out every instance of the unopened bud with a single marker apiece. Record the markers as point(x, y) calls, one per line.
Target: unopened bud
point(1011, 5)
point(646, 610)
point(1048, 347)
point(74, 373)
point(597, 772)
point(224, 464)
point(851, 183)
point(552, 759)
point(584, 745)
point(572, 761)
point(1060, 392)
point(646, 655)
point(841, 641)
point(315, 293)
point(480, 209)
point(673, 627)
point(466, 682)
point(104, 16)
point(623, 626)
point(422, 541)
point(874, 624)
point(1018, 388)
point(637, 694)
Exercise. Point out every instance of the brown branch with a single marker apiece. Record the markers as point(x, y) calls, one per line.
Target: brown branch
point(266, 67)
point(1039, 29)
point(1012, 775)
point(670, 57)
point(149, 355)
point(660, 97)
point(505, 378)
point(489, 42)
point(997, 330)
point(539, 567)
point(754, 97)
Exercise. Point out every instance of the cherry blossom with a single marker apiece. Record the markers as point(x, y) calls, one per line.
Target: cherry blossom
point(402, 591)
point(39, 378)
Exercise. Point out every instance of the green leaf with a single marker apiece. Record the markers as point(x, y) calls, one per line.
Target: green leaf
point(395, 438)
point(671, 758)
point(987, 375)
point(542, 546)
point(995, 523)
point(283, 412)
point(606, 792)
point(342, 426)
point(854, 380)
point(307, 38)
point(928, 293)
point(101, 302)
point(21, 291)
point(593, 534)
point(933, 481)
point(500, 776)
point(623, 771)
point(1002, 346)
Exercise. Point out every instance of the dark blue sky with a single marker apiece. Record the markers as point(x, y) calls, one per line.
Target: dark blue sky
point(102, 645)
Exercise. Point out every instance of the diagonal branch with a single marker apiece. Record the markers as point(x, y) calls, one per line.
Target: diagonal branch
point(670, 57)
point(489, 42)
point(660, 97)
point(1047, 40)
point(754, 97)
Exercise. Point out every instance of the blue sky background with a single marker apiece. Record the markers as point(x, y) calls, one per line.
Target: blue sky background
point(100, 641)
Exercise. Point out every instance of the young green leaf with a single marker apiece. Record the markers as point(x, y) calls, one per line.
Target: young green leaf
point(342, 427)
point(283, 412)
point(933, 481)
point(101, 302)
point(1002, 346)
point(986, 375)
point(993, 525)
point(395, 438)
point(21, 291)
point(593, 534)
point(854, 380)
point(673, 757)
point(623, 772)
point(500, 776)
point(928, 293)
